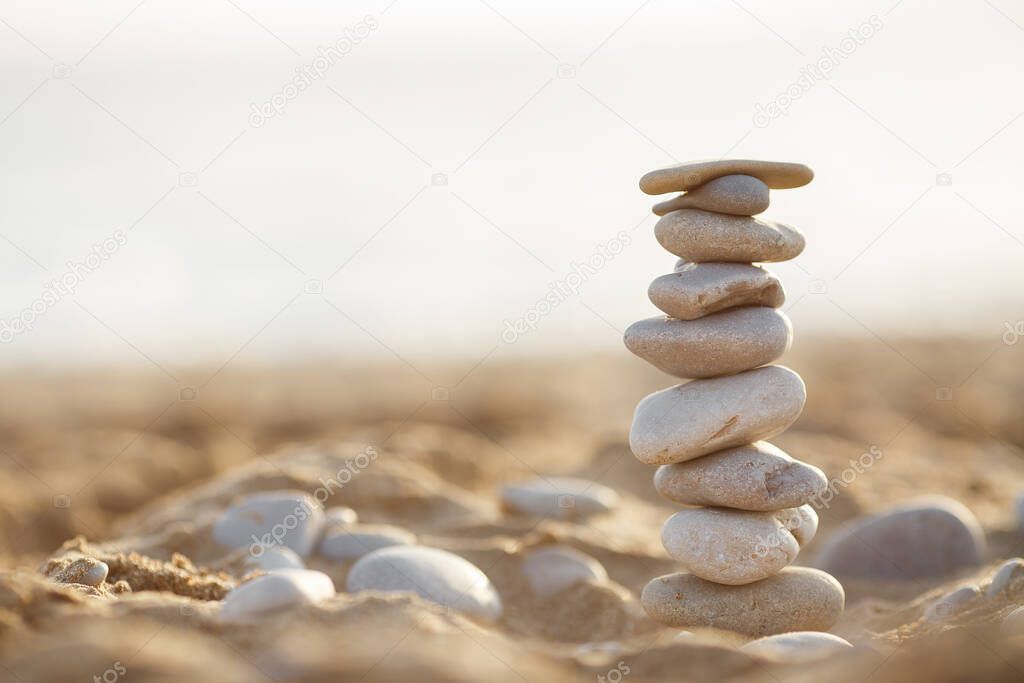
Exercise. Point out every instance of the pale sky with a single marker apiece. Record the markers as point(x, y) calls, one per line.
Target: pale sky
point(541, 116)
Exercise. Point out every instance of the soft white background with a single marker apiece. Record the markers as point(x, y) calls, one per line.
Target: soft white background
point(540, 169)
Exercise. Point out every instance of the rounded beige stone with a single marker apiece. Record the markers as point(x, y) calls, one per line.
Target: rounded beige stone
point(700, 236)
point(756, 476)
point(719, 344)
point(733, 547)
point(739, 195)
point(695, 290)
point(778, 175)
point(707, 415)
point(795, 599)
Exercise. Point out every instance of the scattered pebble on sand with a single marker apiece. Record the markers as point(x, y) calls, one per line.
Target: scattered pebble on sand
point(1009, 573)
point(953, 603)
point(435, 575)
point(352, 542)
point(551, 570)
point(559, 497)
point(797, 647)
point(290, 518)
point(277, 590)
point(277, 557)
point(930, 538)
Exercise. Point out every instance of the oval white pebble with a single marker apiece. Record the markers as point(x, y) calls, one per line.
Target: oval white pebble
point(798, 646)
point(290, 518)
point(277, 590)
point(277, 557)
point(559, 497)
point(95, 575)
point(1007, 574)
point(340, 515)
point(353, 542)
point(552, 569)
point(433, 574)
point(952, 604)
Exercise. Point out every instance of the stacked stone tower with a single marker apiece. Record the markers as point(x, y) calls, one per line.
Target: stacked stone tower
point(748, 503)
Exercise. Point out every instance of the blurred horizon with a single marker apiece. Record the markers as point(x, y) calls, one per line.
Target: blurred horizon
point(453, 162)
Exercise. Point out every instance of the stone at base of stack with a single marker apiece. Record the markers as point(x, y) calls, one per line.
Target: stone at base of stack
point(721, 329)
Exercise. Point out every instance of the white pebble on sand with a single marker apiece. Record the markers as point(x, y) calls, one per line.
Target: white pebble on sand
point(353, 542)
point(799, 646)
point(277, 557)
point(276, 591)
point(1007, 574)
point(952, 604)
point(553, 569)
point(290, 518)
point(435, 575)
point(559, 497)
point(340, 516)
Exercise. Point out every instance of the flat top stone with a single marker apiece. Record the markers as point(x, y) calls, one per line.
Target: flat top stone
point(435, 575)
point(795, 599)
point(756, 476)
point(559, 497)
point(739, 195)
point(701, 236)
point(718, 344)
point(277, 590)
point(929, 538)
point(695, 290)
point(778, 175)
point(552, 569)
point(290, 518)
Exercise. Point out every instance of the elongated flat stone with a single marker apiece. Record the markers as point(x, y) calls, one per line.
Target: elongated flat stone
point(778, 175)
point(739, 195)
point(756, 476)
point(795, 599)
point(707, 415)
point(798, 648)
point(695, 290)
point(700, 236)
point(733, 547)
point(718, 344)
